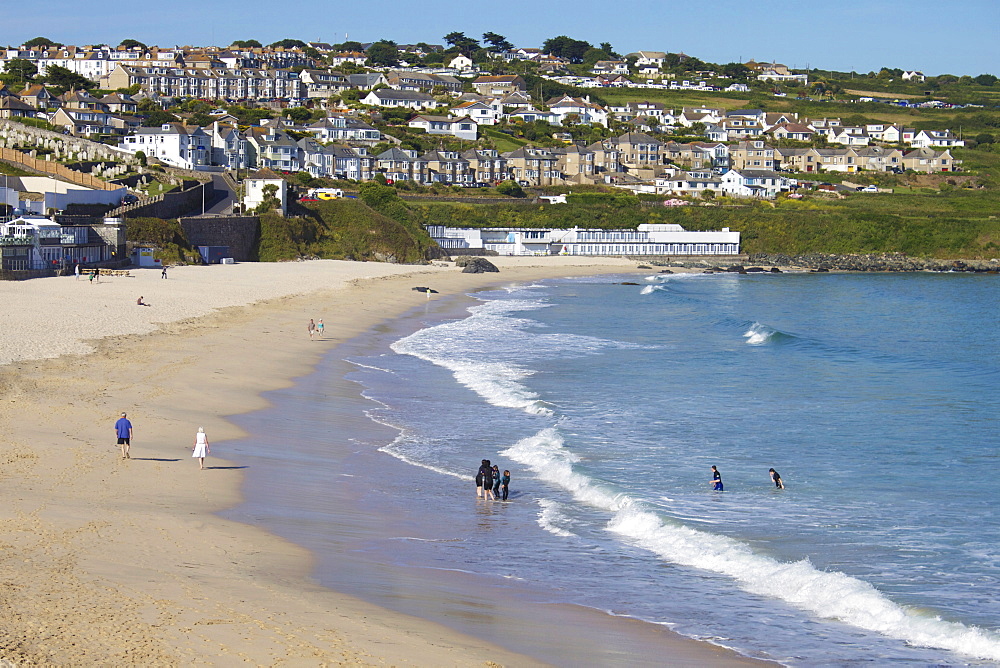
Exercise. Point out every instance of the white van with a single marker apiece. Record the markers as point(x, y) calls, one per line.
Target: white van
point(326, 193)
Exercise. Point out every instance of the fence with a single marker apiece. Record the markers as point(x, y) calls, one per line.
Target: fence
point(55, 169)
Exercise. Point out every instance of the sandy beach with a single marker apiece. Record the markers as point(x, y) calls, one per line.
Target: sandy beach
point(111, 561)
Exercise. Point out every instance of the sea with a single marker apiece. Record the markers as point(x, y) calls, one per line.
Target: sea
point(874, 396)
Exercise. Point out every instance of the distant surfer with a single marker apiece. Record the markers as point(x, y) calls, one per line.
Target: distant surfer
point(776, 479)
point(716, 480)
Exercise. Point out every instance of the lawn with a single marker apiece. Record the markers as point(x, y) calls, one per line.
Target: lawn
point(503, 141)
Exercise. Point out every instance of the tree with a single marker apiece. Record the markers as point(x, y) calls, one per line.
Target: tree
point(510, 189)
point(465, 45)
point(140, 157)
point(592, 55)
point(498, 43)
point(41, 41)
point(200, 119)
point(985, 138)
point(158, 117)
point(606, 48)
point(351, 46)
point(383, 53)
point(246, 44)
point(566, 47)
point(270, 201)
point(737, 71)
point(19, 70)
point(60, 77)
point(985, 80)
point(299, 114)
point(131, 44)
point(288, 44)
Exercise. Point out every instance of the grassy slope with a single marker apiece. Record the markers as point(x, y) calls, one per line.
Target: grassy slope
point(950, 223)
point(340, 229)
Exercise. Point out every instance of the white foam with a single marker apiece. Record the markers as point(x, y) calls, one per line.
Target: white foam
point(492, 333)
point(649, 289)
point(827, 594)
point(552, 519)
point(758, 334)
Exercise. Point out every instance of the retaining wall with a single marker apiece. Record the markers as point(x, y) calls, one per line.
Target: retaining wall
point(240, 233)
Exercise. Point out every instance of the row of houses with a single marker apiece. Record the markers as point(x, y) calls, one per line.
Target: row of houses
point(95, 62)
point(338, 147)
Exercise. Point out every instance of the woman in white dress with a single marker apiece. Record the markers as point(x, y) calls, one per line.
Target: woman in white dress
point(201, 446)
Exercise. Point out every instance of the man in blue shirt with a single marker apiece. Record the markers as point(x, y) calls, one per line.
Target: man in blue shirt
point(123, 429)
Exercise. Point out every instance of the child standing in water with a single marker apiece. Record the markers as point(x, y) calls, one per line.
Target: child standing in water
point(504, 484)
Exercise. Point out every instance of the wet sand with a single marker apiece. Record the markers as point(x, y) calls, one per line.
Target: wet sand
point(126, 561)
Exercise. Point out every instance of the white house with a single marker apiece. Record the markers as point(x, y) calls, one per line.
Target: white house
point(255, 185)
point(461, 63)
point(409, 99)
point(913, 75)
point(481, 112)
point(463, 128)
point(934, 138)
point(176, 144)
point(849, 136)
point(649, 58)
point(31, 242)
point(646, 239)
point(57, 195)
point(345, 129)
point(762, 184)
point(688, 183)
point(589, 113)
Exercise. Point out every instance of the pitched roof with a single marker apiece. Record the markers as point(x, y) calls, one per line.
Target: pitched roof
point(265, 173)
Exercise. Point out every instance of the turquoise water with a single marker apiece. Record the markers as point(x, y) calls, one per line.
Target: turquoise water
point(874, 396)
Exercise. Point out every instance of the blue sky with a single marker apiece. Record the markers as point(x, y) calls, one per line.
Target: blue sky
point(861, 35)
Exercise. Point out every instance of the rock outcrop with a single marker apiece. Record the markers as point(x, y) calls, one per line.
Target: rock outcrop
point(475, 265)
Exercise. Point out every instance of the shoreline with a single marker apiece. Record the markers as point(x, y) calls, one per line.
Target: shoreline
point(126, 561)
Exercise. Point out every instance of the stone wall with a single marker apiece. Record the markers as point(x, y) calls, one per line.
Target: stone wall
point(168, 205)
point(873, 262)
point(240, 233)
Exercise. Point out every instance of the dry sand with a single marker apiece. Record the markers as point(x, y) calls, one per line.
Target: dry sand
point(110, 561)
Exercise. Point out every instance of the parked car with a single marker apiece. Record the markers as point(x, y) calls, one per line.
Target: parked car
point(868, 189)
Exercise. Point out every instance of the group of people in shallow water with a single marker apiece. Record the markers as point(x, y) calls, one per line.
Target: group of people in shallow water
point(716, 480)
point(490, 483)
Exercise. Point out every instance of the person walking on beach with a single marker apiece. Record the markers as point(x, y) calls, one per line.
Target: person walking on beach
point(76, 271)
point(776, 479)
point(485, 466)
point(311, 327)
point(91, 279)
point(201, 447)
point(504, 484)
point(123, 429)
point(319, 328)
point(163, 271)
point(716, 480)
